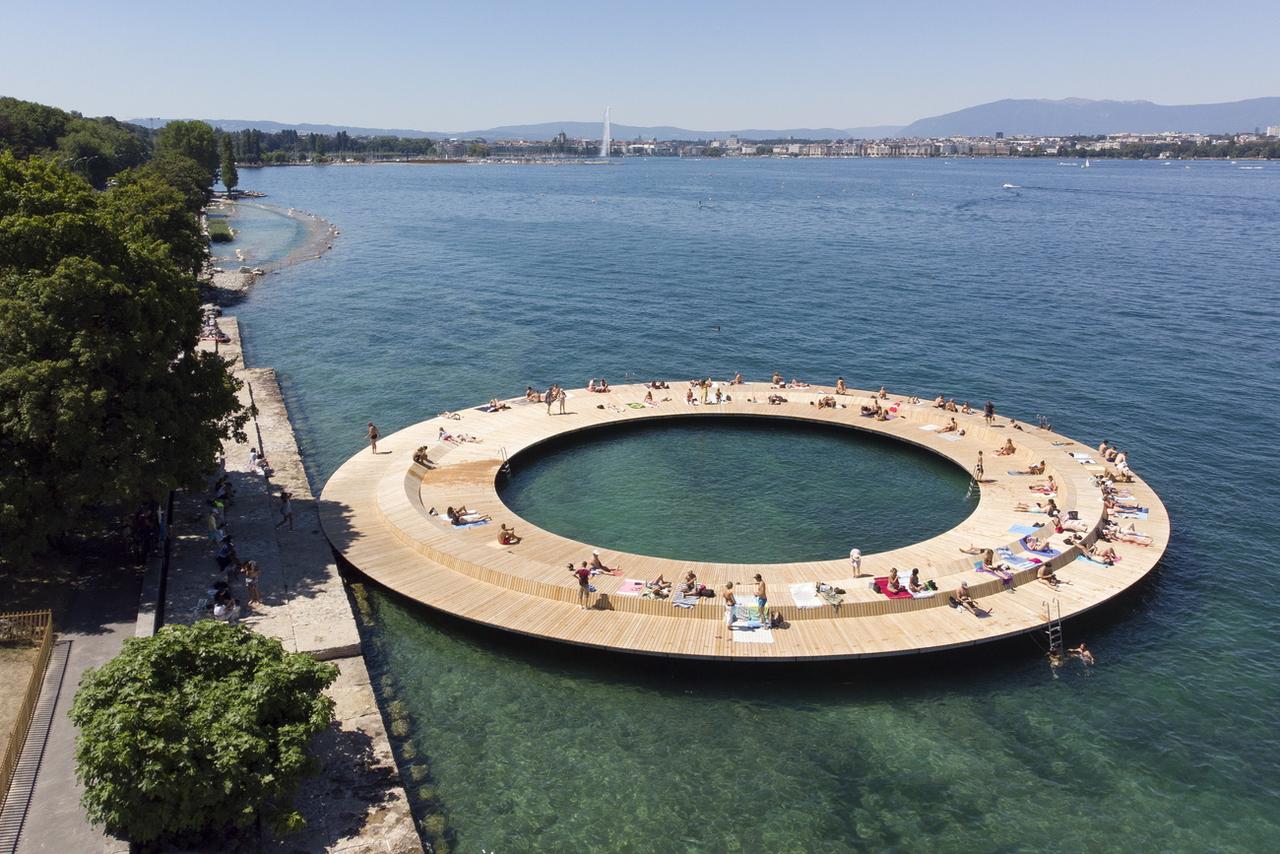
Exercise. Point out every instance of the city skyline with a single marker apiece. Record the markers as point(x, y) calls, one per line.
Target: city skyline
point(745, 65)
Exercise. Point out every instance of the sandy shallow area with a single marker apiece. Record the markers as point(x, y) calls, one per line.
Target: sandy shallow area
point(230, 281)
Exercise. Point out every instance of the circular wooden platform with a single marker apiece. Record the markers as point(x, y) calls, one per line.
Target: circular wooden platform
point(376, 512)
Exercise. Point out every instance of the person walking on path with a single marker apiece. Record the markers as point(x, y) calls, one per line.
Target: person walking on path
point(251, 573)
point(855, 561)
point(978, 470)
point(373, 437)
point(286, 509)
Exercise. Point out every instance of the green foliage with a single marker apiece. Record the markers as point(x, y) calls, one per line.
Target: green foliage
point(190, 139)
point(95, 149)
point(104, 398)
point(477, 149)
point(184, 175)
point(198, 731)
point(230, 177)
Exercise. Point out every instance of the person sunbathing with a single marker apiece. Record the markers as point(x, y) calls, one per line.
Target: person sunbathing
point(953, 427)
point(882, 414)
point(893, 585)
point(507, 536)
point(420, 457)
point(463, 516)
point(737, 379)
point(603, 388)
point(1107, 555)
point(951, 406)
point(939, 402)
point(648, 399)
point(870, 411)
point(963, 599)
point(1049, 487)
point(496, 405)
point(841, 388)
point(882, 393)
point(531, 395)
point(827, 402)
point(973, 550)
point(777, 380)
point(445, 436)
point(1007, 450)
point(966, 409)
point(776, 399)
point(659, 584)
point(796, 383)
point(1128, 535)
point(452, 416)
point(914, 584)
point(1046, 575)
point(598, 565)
point(1035, 544)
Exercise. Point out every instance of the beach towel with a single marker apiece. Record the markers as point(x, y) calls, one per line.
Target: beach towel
point(1020, 473)
point(1049, 552)
point(1003, 574)
point(761, 635)
point(636, 405)
point(1024, 530)
point(950, 437)
point(930, 427)
point(882, 585)
point(1080, 456)
point(1093, 560)
point(923, 594)
point(1006, 554)
point(631, 587)
point(466, 522)
point(805, 595)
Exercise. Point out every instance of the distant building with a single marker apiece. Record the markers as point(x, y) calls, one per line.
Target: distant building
point(1273, 130)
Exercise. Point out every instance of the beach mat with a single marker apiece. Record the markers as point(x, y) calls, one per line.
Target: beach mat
point(950, 437)
point(882, 585)
point(636, 405)
point(630, 587)
point(805, 595)
point(1023, 530)
point(752, 635)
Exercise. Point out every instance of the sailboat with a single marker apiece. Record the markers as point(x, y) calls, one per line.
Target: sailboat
point(1086, 164)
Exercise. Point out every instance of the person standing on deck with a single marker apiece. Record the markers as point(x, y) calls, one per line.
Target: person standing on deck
point(762, 600)
point(978, 469)
point(373, 437)
point(583, 574)
point(855, 561)
point(730, 604)
point(551, 397)
point(989, 412)
point(286, 509)
point(561, 396)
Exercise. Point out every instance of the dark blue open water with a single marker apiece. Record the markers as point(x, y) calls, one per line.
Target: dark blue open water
point(1131, 301)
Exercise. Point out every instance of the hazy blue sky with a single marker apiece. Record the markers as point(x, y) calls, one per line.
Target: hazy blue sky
point(462, 66)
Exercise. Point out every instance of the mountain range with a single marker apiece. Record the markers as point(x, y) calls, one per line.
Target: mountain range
point(1011, 116)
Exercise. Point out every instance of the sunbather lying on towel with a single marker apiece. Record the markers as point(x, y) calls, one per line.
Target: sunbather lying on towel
point(1037, 468)
point(1126, 535)
point(463, 516)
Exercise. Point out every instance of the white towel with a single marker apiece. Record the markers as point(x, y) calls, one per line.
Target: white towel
point(805, 596)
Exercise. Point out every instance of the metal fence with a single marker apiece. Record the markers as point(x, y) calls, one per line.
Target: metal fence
point(29, 627)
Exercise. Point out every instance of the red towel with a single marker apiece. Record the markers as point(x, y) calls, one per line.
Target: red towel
point(882, 584)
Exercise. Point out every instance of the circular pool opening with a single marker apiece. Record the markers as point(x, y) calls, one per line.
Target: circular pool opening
point(736, 490)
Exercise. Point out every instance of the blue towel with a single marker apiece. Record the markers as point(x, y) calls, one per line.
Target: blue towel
point(1024, 530)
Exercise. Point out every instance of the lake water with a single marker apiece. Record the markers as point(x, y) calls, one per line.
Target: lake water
point(707, 490)
point(1131, 301)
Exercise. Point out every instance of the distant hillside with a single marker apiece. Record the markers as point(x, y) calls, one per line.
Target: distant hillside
point(276, 127)
point(1081, 116)
point(546, 130)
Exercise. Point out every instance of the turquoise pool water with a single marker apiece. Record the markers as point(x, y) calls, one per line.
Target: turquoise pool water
point(709, 489)
point(1128, 301)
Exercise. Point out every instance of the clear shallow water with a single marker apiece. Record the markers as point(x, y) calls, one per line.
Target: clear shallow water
point(265, 236)
point(1130, 301)
point(708, 490)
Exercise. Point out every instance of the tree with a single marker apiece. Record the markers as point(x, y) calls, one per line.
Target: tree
point(104, 399)
point(184, 175)
point(198, 731)
point(190, 139)
point(230, 177)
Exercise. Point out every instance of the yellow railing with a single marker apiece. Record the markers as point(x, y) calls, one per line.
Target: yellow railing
point(33, 627)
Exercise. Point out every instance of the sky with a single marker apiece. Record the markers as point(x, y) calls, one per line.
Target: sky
point(705, 65)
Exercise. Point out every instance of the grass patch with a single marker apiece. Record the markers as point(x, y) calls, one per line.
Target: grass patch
point(219, 231)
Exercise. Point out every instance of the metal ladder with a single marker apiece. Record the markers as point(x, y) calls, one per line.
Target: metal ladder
point(1053, 627)
point(505, 468)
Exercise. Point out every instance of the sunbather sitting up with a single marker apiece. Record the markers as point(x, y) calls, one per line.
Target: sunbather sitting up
point(964, 600)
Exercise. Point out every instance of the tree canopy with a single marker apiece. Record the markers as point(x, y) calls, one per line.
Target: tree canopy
point(95, 149)
point(197, 731)
point(104, 398)
point(227, 172)
point(192, 139)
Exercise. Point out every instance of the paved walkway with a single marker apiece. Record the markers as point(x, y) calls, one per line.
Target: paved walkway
point(97, 621)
